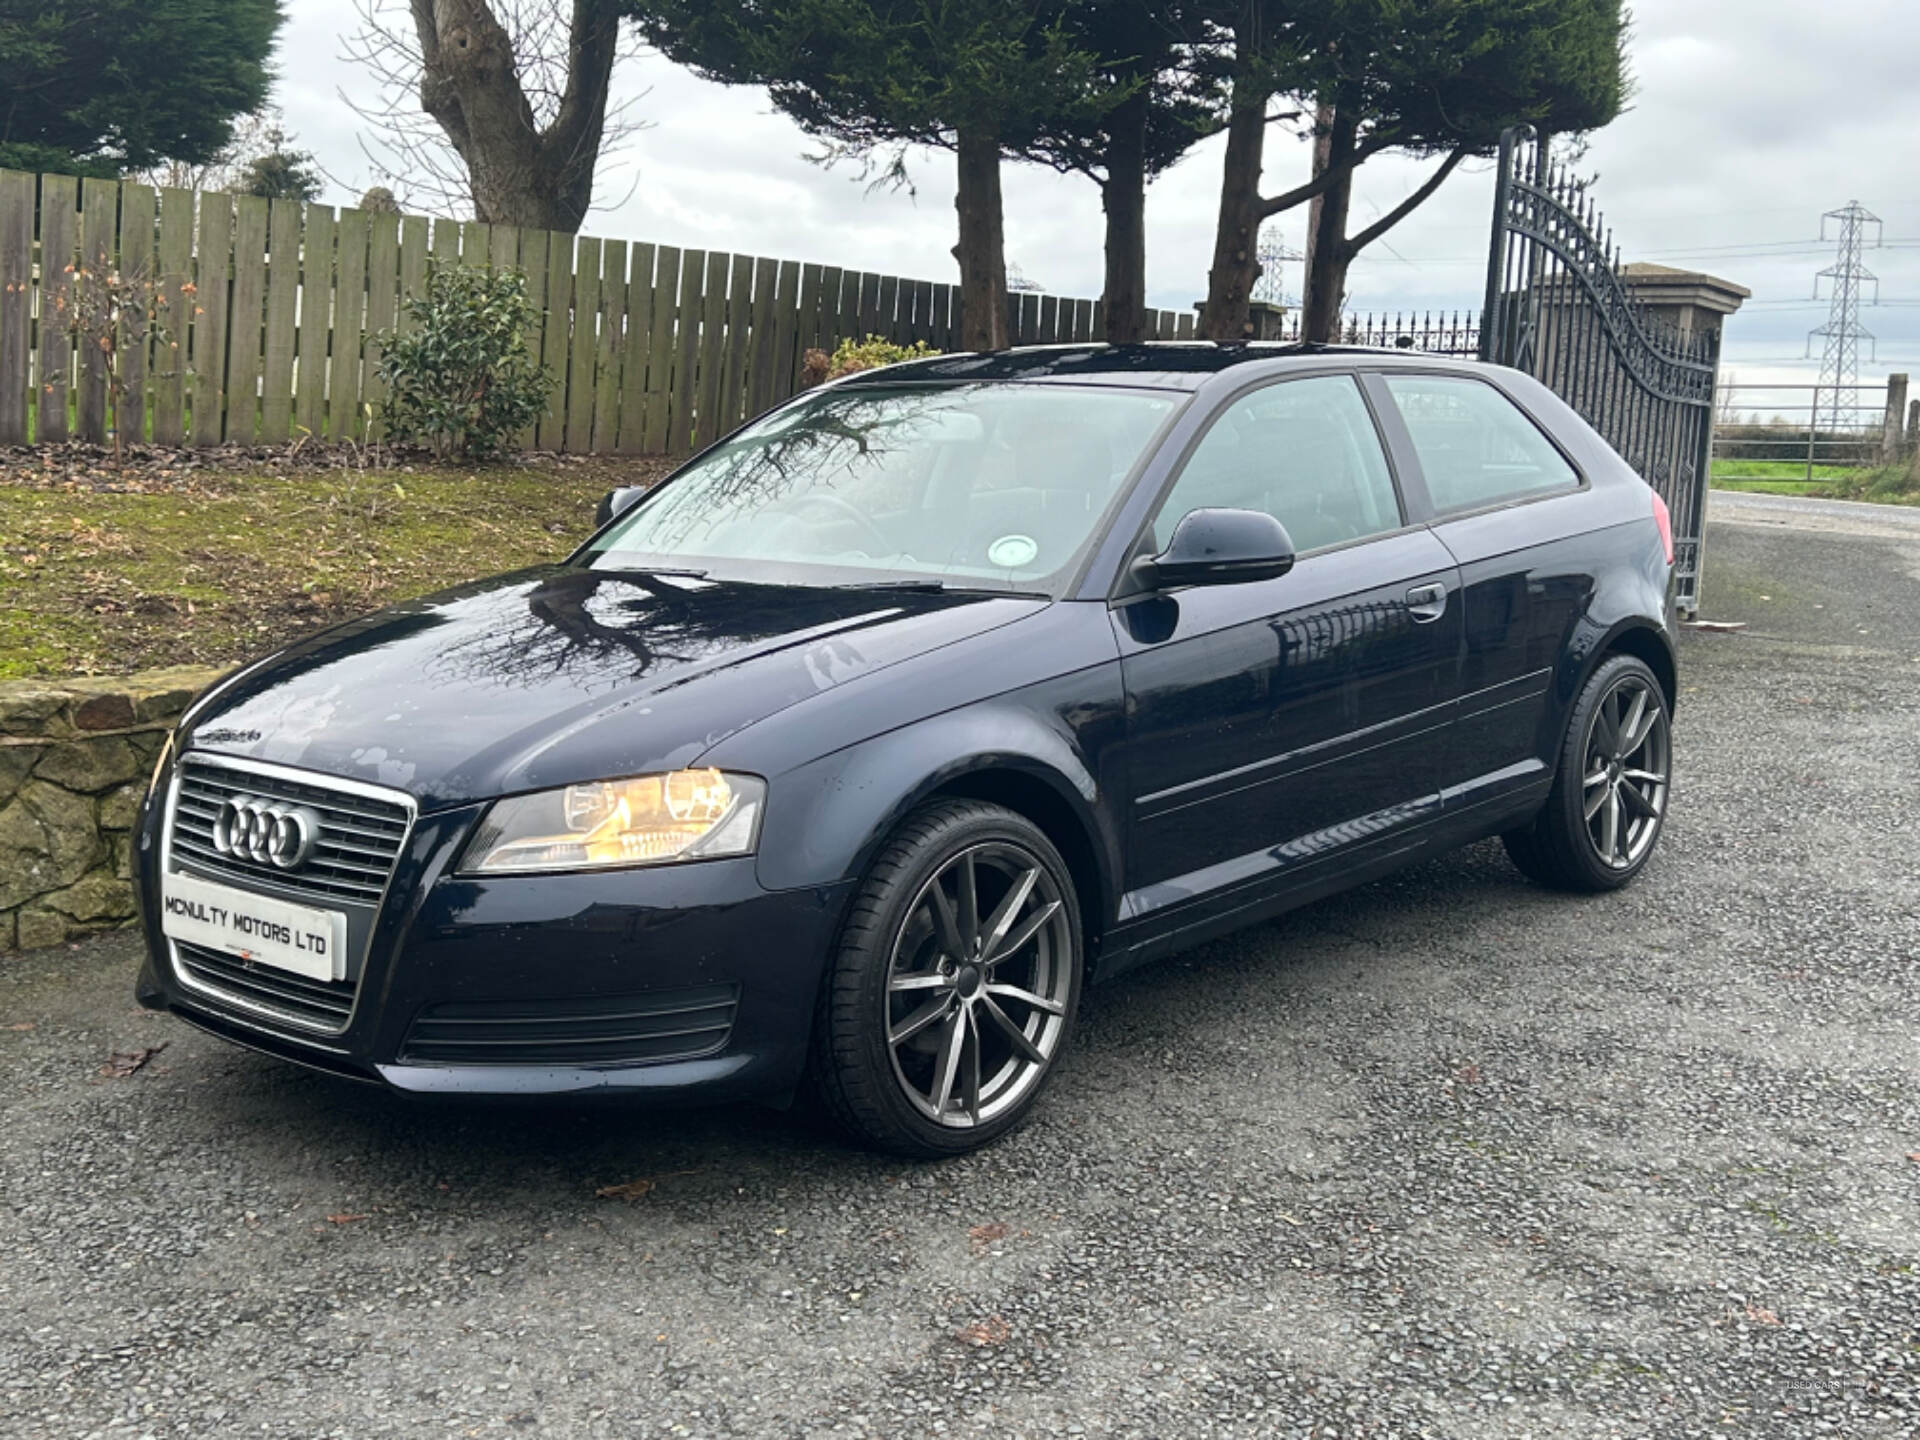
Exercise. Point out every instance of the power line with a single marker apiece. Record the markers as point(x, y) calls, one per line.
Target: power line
point(1840, 364)
point(1817, 304)
point(1794, 249)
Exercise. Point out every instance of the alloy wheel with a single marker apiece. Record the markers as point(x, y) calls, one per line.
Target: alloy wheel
point(1624, 782)
point(978, 984)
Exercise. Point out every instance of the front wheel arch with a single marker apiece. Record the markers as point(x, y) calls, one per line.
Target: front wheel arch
point(1025, 793)
point(827, 819)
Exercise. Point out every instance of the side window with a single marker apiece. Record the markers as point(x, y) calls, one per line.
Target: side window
point(1304, 451)
point(1475, 445)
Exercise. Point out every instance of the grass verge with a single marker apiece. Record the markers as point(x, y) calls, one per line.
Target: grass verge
point(1884, 485)
point(213, 567)
point(1724, 469)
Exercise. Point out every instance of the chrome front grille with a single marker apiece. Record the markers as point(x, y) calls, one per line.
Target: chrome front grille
point(323, 1005)
point(359, 842)
point(362, 830)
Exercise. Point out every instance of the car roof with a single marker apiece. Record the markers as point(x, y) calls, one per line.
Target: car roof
point(1160, 364)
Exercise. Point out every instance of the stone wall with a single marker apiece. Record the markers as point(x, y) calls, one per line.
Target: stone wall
point(75, 756)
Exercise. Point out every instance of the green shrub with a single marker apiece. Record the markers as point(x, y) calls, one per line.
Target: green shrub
point(462, 380)
point(871, 353)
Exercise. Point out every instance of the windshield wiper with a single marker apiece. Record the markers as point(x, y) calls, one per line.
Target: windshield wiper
point(668, 571)
point(936, 587)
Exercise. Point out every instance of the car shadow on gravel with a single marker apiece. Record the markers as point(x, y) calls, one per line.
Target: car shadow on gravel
point(545, 1148)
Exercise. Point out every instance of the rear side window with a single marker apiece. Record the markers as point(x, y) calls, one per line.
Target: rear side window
point(1476, 447)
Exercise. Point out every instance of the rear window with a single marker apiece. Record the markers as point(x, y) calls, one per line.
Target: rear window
point(1476, 447)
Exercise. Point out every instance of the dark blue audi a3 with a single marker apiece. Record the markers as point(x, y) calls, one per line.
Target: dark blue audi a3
point(840, 762)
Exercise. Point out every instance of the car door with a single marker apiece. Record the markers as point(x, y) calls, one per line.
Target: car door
point(1276, 725)
point(1505, 503)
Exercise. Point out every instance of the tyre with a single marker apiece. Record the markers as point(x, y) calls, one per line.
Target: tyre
point(952, 996)
point(1609, 799)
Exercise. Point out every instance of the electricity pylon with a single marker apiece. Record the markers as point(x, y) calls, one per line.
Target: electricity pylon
point(1838, 395)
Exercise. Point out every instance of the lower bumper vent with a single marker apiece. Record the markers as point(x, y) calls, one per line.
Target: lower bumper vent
point(648, 1028)
point(319, 1005)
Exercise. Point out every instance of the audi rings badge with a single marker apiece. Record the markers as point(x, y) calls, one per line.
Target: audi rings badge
point(267, 832)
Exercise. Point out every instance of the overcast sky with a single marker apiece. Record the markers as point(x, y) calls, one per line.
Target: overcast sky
point(1750, 118)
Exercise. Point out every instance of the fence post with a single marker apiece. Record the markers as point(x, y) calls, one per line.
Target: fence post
point(59, 215)
point(1689, 598)
point(99, 225)
point(1813, 429)
point(1891, 438)
point(1497, 246)
point(16, 303)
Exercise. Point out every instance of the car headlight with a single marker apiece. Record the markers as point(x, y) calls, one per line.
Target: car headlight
point(647, 820)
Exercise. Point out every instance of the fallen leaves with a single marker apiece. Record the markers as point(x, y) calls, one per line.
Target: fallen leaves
point(346, 1219)
point(982, 1334)
point(979, 1237)
point(635, 1189)
point(631, 1190)
point(122, 1063)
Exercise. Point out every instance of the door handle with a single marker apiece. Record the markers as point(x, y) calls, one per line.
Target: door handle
point(1427, 603)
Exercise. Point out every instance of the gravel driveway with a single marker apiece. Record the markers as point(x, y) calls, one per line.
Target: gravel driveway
point(1448, 1156)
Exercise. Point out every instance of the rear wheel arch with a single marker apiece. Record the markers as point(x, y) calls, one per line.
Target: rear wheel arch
point(1593, 643)
point(1647, 644)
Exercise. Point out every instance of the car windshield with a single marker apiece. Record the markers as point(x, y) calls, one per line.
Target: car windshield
point(998, 486)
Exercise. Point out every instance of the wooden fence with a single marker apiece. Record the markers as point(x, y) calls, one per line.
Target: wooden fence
point(273, 312)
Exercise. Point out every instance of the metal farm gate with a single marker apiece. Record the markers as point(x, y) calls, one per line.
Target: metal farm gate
point(1557, 307)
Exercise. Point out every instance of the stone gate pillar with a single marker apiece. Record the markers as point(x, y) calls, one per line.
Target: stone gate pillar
point(1692, 301)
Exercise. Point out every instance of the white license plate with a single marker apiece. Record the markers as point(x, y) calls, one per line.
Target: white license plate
point(258, 928)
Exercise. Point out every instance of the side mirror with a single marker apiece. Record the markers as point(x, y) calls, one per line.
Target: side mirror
point(616, 502)
point(1220, 547)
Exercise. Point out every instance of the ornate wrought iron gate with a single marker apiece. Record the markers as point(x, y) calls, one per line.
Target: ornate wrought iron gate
point(1559, 308)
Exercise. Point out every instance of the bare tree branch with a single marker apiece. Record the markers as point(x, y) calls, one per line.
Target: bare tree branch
point(499, 109)
point(1359, 242)
point(1325, 180)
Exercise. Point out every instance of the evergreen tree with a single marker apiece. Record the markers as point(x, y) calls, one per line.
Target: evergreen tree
point(978, 77)
point(1159, 64)
point(100, 87)
point(1434, 78)
point(280, 172)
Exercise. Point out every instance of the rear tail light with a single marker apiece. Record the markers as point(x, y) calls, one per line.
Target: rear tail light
point(1665, 522)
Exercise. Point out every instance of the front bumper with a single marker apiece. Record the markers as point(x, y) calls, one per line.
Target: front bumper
point(502, 953)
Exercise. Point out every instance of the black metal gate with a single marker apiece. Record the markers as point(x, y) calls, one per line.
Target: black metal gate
point(1559, 308)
